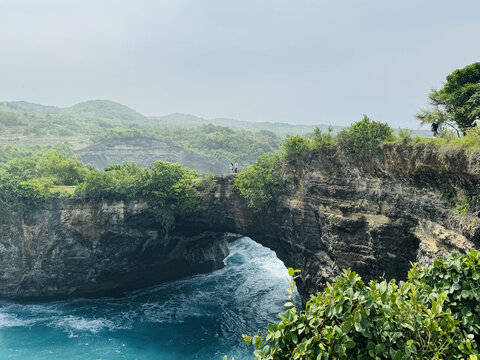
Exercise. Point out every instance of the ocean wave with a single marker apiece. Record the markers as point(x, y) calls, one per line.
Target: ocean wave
point(80, 324)
point(10, 320)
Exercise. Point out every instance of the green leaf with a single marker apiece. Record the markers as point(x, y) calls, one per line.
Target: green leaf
point(350, 344)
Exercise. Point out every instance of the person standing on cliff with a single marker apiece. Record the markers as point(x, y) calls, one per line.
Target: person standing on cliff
point(231, 168)
point(476, 122)
point(236, 167)
point(434, 128)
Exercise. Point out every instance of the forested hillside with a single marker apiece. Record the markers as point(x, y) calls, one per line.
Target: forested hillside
point(98, 122)
point(93, 122)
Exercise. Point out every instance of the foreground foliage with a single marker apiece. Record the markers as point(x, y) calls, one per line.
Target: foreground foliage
point(434, 315)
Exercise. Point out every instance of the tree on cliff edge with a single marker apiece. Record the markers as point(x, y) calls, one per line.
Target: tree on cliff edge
point(457, 103)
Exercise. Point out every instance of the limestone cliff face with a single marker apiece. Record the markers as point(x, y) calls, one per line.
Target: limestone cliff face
point(70, 248)
point(375, 218)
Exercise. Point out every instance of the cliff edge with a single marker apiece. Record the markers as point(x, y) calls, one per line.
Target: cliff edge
point(375, 218)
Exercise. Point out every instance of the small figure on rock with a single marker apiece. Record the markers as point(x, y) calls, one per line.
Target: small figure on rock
point(236, 167)
point(434, 128)
point(231, 168)
point(476, 122)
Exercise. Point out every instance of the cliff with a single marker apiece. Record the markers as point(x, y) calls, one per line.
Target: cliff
point(70, 248)
point(375, 218)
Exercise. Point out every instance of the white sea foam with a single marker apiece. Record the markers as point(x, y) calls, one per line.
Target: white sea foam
point(80, 324)
point(218, 305)
point(10, 320)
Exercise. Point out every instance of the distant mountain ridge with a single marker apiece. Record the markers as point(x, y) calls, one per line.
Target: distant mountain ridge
point(28, 107)
point(111, 110)
point(103, 109)
point(116, 114)
point(187, 120)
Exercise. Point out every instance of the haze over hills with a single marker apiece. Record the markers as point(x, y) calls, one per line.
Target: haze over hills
point(187, 120)
point(109, 124)
point(110, 110)
point(112, 126)
point(118, 114)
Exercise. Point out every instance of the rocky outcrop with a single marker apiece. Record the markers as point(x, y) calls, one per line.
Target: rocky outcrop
point(70, 248)
point(376, 218)
point(144, 151)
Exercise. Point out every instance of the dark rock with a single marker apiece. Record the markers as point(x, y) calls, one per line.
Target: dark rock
point(70, 248)
point(376, 219)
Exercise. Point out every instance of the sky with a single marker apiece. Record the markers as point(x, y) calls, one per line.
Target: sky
point(295, 61)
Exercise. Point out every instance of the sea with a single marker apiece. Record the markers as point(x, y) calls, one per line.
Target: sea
point(200, 317)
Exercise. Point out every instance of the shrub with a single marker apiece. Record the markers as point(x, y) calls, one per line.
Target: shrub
point(458, 276)
point(434, 315)
point(405, 134)
point(206, 184)
point(323, 141)
point(447, 134)
point(360, 140)
point(295, 148)
point(261, 182)
point(63, 170)
point(97, 185)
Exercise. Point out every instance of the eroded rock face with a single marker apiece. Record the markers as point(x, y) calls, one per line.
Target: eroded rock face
point(375, 219)
point(70, 248)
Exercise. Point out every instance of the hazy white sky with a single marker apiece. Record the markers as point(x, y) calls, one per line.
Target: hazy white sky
point(297, 61)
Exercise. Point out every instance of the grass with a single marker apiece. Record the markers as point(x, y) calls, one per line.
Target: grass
point(63, 190)
point(469, 143)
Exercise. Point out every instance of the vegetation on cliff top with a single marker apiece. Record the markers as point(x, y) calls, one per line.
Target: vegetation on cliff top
point(262, 182)
point(170, 189)
point(358, 144)
point(434, 315)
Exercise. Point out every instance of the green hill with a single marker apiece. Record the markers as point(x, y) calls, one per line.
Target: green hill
point(95, 121)
point(28, 107)
point(103, 109)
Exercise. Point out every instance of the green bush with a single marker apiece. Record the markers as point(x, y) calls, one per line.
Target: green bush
point(295, 148)
point(261, 182)
point(361, 140)
point(458, 276)
point(405, 134)
point(97, 185)
point(323, 141)
point(62, 170)
point(434, 315)
point(206, 184)
point(168, 188)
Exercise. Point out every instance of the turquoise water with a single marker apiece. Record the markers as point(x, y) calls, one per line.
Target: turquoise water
point(201, 317)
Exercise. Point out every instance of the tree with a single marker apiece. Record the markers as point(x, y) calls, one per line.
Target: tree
point(360, 141)
point(457, 103)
